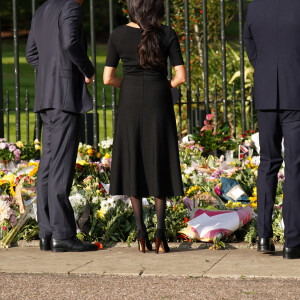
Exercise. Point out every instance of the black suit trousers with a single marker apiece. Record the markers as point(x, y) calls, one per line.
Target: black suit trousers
point(56, 173)
point(273, 126)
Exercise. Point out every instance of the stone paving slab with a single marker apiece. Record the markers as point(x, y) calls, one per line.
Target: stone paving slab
point(127, 261)
point(32, 260)
point(248, 263)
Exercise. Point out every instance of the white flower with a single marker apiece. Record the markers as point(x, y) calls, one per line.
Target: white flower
point(2, 146)
point(255, 161)
point(106, 144)
point(187, 138)
point(145, 202)
point(5, 211)
point(189, 171)
point(78, 204)
point(95, 200)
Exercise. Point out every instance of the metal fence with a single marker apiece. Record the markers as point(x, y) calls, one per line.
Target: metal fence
point(194, 107)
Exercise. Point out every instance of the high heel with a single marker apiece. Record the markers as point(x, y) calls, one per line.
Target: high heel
point(142, 245)
point(161, 242)
point(143, 242)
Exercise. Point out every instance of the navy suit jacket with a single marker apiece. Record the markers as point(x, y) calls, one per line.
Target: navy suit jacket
point(272, 41)
point(57, 49)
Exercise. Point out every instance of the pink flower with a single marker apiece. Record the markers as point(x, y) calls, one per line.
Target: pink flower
point(17, 154)
point(12, 148)
point(218, 190)
point(206, 122)
point(204, 128)
point(209, 117)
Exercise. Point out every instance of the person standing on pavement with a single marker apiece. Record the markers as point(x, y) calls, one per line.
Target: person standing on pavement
point(57, 49)
point(145, 160)
point(272, 42)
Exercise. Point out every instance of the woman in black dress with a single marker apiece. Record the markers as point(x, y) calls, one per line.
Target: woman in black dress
point(145, 159)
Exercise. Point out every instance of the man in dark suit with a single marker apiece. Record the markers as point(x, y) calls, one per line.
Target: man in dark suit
point(273, 45)
point(57, 49)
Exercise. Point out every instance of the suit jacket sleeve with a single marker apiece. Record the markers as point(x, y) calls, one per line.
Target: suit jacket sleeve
point(32, 55)
point(70, 26)
point(249, 42)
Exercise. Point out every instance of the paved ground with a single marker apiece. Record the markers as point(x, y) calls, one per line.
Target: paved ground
point(123, 273)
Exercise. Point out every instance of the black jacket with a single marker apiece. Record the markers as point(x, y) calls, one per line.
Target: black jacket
point(272, 40)
point(57, 49)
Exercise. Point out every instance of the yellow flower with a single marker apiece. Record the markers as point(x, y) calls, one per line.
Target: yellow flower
point(36, 141)
point(33, 172)
point(192, 189)
point(98, 191)
point(254, 205)
point(10, 178)
point(101, 213)
point(37, 147)
point(106, 155)
point(90, 152)
point(19, 144)
point(82, 162)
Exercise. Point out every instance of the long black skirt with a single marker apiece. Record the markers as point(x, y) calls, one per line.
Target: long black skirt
point(145, 158)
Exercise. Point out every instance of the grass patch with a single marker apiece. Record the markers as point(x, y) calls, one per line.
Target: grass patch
point(12, 126)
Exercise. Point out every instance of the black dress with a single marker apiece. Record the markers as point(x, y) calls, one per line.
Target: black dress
point(145, 158)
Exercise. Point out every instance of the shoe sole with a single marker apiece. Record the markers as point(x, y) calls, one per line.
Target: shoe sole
point(67, 250)
point(289, 256)
point(265, 250)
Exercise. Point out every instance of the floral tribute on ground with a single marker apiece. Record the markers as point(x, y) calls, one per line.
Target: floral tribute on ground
point(219, 205)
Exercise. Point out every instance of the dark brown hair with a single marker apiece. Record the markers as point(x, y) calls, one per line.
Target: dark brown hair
point(148, 14)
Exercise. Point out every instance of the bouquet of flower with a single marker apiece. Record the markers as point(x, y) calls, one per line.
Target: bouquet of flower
point(87, 153)
point(10, 151)
point(106, 146)
point(9, 212)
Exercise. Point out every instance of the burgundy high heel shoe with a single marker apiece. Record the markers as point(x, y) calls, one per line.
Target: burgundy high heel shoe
point(161, 244)
point(143, 242)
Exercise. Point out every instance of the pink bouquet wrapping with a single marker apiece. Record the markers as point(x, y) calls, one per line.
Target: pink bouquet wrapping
point(208, 224)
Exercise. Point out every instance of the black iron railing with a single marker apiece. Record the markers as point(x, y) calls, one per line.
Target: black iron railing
point(196, 103)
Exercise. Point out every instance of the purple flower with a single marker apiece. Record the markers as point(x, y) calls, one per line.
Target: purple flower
point(12, 219)
point(189, 203)
point(12, 148)
point(217, 174)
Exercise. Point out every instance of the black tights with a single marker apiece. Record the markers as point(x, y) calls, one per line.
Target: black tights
point(160, 205)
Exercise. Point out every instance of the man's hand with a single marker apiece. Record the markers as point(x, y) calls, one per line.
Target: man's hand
point(88, 81)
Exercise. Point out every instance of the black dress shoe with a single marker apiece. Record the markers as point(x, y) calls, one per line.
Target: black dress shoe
point(265, 245)
point(45, 244)
point(291, 253)
point(71, 245)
